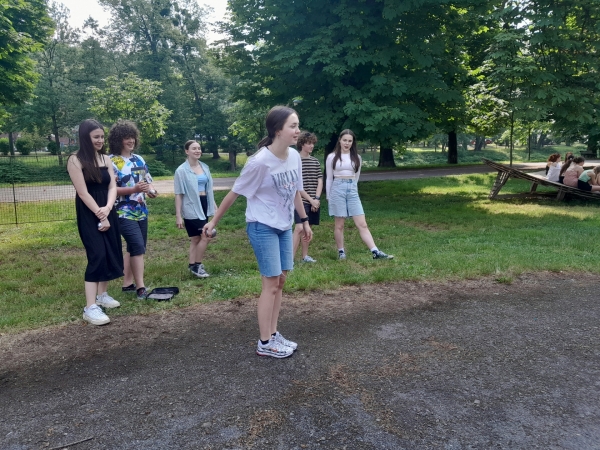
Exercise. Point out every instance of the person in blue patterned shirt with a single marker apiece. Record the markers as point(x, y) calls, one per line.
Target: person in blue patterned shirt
point(134, 183)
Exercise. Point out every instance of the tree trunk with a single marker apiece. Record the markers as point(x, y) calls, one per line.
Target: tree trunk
point(542, 140)
point(386, 156)
point(452, 148)
point(232, 160)
point(57, 139)
point(512, 132)
point(529, 145)
point(11, 143)
point(592, 143)
point(479, 141)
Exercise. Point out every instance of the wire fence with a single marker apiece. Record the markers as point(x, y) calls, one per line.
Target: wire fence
point(35, 188)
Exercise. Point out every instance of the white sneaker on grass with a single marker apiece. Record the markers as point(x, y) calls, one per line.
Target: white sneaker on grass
point(94, 315)
point(273, 349)
point(308, 259)
point(107, 301)
point(279, 338)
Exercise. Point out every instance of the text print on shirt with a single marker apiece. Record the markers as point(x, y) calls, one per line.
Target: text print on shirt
point(285, 186)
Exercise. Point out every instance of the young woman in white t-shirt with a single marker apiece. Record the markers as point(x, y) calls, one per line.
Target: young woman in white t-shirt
point(343, 170)
point(271, 181)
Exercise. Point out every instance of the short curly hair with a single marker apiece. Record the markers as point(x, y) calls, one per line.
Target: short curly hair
point(123, 129)
point(306, 137)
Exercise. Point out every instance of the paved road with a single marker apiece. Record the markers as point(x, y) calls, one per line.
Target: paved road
point(44, 193)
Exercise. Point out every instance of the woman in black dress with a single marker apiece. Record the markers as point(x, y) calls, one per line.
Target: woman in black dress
point(91, 172)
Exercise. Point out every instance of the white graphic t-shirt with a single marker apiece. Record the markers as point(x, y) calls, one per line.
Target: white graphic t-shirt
point(269, 185)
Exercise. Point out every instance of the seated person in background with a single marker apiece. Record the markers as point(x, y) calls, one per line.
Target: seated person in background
point(589, 180)
point(553, 166)
point(573, 171)
point(568, 159)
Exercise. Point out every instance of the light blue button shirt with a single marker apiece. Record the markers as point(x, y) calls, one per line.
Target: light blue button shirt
point(186, 184)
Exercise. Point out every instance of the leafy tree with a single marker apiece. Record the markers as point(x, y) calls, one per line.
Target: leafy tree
point(131, 98)
point(166, 42)
point(24, 27)
point(382, 68)
point(54, 104)
point(544, 63)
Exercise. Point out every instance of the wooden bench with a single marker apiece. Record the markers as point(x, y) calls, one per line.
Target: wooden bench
point(505, 172)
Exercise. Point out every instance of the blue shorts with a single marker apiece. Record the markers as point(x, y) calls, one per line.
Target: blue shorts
point(272, 247)
point(135, 233)
point(343, 199)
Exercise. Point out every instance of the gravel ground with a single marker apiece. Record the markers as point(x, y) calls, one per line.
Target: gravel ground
point(415, 365)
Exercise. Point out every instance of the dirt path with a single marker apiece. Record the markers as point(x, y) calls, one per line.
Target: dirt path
point(412, 365)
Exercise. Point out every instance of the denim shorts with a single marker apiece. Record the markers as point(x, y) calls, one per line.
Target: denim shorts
point(343, 199)
point(272, 247)
point(135, 233)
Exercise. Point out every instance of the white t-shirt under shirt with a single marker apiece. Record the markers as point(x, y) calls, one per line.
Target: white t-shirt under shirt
point(269, 185)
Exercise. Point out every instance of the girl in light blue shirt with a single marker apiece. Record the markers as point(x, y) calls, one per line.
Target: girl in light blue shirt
point(194, 204)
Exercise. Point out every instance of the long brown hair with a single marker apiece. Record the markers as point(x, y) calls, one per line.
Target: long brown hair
point(87, 154)
point(274, 122)
point(576, 160)
point(353, 151)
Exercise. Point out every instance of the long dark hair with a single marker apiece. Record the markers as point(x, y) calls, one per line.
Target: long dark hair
point(353, 151)
point(274, 122)
point(576, 160)
point(86, 153)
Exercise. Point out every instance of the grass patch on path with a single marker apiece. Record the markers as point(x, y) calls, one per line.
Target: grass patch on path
point(438, 229)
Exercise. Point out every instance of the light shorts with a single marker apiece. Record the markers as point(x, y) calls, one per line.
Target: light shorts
point(272, 248)
point(343, 199)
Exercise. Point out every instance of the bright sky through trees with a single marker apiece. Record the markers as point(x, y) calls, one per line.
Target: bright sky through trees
point(81, 10)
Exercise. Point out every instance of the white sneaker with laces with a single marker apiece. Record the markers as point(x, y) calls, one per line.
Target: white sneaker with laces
point(279, 338)
point(107, 301)
point(273, 349)
point(308, 259)
point(94, 315)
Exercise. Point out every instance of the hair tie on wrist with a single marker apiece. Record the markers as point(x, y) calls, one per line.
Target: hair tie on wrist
point(304, 219)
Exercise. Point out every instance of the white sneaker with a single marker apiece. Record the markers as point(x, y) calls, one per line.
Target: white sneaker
point(279, 338)
point(107, 301)
point(95, 315)
point(273, 349)
point(308, 259)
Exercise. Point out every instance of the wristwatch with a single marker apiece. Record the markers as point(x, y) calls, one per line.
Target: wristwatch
point(317, 197)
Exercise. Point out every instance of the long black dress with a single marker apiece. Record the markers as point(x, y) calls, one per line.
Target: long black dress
point(103, 248)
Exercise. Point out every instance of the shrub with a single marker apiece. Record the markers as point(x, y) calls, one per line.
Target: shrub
point(52, 148)
point(25, 145)
point(4, 146)
point(158, 169)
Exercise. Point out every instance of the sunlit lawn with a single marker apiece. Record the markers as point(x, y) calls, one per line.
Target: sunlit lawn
point(438, 229)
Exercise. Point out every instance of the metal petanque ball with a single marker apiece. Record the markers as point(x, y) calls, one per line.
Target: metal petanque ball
point(213, 234)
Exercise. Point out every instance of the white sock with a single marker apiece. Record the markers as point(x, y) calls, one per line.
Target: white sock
point(374, 249)
point(341, 250)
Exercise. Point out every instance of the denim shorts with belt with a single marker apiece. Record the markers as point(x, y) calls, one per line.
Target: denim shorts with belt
point(343, 198)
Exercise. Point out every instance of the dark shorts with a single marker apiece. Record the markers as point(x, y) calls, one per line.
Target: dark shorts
point(313, 217)
point(194, 226)
point(584, 185)
point(135, 233)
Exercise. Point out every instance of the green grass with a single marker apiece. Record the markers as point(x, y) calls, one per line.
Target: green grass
point(438, 229)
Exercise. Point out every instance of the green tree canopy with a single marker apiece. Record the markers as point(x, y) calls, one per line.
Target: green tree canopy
point(24, 27)
point(131, 98)
point(383, 68)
